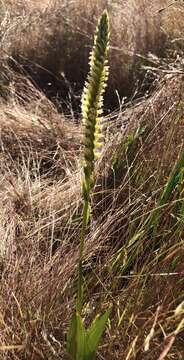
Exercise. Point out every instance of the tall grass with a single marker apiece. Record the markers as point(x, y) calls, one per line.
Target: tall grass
point(138, 175)
point(57, 63)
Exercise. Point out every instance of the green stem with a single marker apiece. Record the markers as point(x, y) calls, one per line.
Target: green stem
point(81, 251)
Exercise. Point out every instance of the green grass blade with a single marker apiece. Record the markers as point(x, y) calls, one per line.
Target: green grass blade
point(76, 338)
point(80, 339)
point(94, 334)
point(71, 345)
point(173, 181)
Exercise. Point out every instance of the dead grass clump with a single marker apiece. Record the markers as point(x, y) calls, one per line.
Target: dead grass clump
point(134, 243)
point(58, 61)
point(173, 25)
point(125, 262)
point(37, 137)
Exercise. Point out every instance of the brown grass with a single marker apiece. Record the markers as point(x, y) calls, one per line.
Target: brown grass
point(140, 272)
point(40, 222)
point(56, 39)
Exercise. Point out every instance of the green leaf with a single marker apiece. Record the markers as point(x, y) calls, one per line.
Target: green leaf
point(71, 337)
point(81, 337)
point(76, 338)
point(94, 334)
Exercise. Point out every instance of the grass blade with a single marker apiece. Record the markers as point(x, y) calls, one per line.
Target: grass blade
point(95, 332)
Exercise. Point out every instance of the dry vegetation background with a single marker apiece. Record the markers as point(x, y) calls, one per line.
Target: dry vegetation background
point(43, 65)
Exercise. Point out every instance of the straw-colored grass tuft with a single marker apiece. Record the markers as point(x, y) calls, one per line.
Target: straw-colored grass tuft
point(133, 256)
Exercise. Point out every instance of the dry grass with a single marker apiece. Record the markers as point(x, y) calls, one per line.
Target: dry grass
point(56, 39)
point(127, 263)
point(40, 223)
